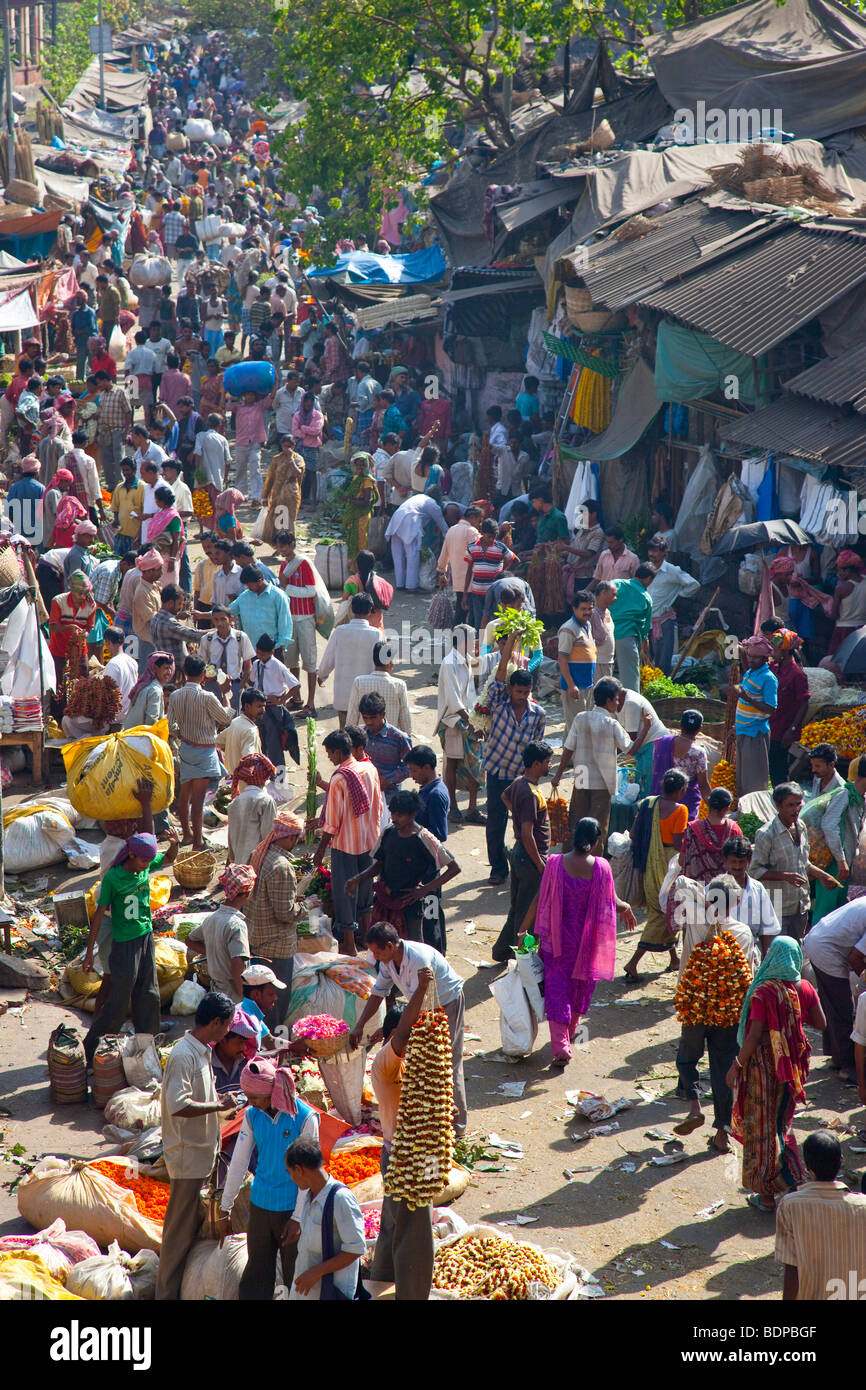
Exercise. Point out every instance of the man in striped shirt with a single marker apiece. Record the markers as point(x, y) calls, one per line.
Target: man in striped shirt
point(299, 583)
point(515, 721)
point(350, 823)
point(194, 716)
point(821, 1230)
point(382, 682)
point(487, 558)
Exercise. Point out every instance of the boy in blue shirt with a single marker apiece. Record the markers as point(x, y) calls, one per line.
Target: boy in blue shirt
point(757, 697)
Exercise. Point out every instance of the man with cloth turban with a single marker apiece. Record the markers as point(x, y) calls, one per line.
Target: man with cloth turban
point(786, 722)
point(757, 698)
point(273, 1120)
point(78, 556)
point(273, 912)
point(252, 809)
point(223, 934)
point(125, 892)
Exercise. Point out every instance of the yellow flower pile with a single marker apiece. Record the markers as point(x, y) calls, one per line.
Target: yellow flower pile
point(482, 1266)
point(847, 732)
point(713, 984)
point(201, 504)
point(648, 674)
point(424, 1136)
point(724, 774)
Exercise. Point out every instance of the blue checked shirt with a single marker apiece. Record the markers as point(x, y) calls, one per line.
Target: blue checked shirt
point(172, 226)
point(387, 752)
point(504, 745)
point(104, 580)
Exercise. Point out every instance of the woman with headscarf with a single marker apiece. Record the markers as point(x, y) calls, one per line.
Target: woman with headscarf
point(272, 911)
point(273, 1120)
point(769, 1073)
point(251, 810)
point(786, 722)
point(70, 618)
point(281, 493)
point(365, 580)
point(757, 699)
point(165, 528)
point(358, 499)
point(227, 524)
point(125, 893)
point(67, 513)
point(101, 359)
point(147, 697)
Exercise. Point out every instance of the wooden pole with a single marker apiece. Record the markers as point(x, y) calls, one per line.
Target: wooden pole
point(696, 631)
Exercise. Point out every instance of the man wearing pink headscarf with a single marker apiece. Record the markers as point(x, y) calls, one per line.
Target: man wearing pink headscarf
point(223, 934)
point(273, 1120)
point(757, 698)
point(146, 601)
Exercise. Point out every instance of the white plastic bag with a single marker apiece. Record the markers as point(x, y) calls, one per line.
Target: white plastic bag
point(518, 1025)
point(258, 528)
point(427, 579)
point(187, 998)
point(212, 1272)
point(37, 839)
point(531, 971)
point(140, 1058)
point(135, 1107)
point(104, 1277)
point(197, 129)
point(343, 1075)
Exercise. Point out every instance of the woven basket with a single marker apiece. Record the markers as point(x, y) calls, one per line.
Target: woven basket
point(195, 870)
point(672, 706)
point(594, 322)
point(782, 190)
point(577, 301)
point(327, 1047)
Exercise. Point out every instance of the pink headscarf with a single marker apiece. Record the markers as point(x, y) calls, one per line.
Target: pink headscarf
point(284, 825)
point(262, 1078)
point(228, 500)
point(151, 560)
point(757, 646)
point(245, 1028)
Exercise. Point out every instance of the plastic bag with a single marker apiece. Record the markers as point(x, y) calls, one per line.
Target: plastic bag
point(116, 1275)
point(427, 573)
point(74, 1246)
point(332, 564)
point(102, 773)
point(171, 966)
point(214, 1273)
point(34, 837)
point(187, 998)
point(140, 1059)
point(24, 1277)
point(257, 531)
point(135, 1108)
point(343, 1075)
point(518, 1025)
point(530, 968)
point(315, 992)
point(149, 271)
point(90, 1201)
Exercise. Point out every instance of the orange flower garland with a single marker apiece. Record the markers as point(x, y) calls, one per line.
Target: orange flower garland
point(151, 1197)
point(714, 984)
point(355, 1165)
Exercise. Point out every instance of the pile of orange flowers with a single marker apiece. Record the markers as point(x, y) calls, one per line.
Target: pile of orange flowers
point(847, 732)
point(724, 774)
point(151, 1197)
point(714, 984)
point(354, 1165)
point(201, 504)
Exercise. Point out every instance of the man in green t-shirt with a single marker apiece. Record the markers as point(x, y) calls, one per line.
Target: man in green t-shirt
point(125, 893)
point(552, 524)
point(632, 612)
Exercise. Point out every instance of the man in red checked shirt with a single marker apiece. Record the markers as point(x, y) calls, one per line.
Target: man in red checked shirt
point(299, 581)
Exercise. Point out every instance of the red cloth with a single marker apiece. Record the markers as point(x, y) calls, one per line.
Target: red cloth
point(793, 690)
point(302, 578)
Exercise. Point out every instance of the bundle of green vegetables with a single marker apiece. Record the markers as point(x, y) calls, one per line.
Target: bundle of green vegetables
point(664, 689)
point(750, 824)
point(520, 621)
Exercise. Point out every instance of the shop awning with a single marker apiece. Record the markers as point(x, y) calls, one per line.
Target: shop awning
point(806, 429)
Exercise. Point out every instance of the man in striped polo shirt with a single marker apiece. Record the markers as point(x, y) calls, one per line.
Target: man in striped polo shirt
point(299, 582)
point(577, 658)
point(350, 822)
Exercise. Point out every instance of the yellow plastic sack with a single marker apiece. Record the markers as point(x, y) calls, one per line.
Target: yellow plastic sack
point(25, 1277)
point(102, 773)
point(170, 969)
point(160, 892)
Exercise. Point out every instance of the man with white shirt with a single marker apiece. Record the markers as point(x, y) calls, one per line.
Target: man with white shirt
point(362, 391)
point(405, 530)
point(151, 475)
point(212, 453)
point(399, 963)
point(349, 653)
point(141, 363)
point(287, 401)
point(755, 906)
point(382, 682)
point(670, 583)
point(462, 531)
point(121, 667)
point(397, 472)
point(836, 946)
point(227, 579)
point(498, 440)
point(632, 710)
point(85, 270)
point(230, 651)
point(243, 735)
point(601, 625)
point(160, 347)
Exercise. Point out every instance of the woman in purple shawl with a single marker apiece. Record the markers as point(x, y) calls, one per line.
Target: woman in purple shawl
point(576, 928)
point(681, 751)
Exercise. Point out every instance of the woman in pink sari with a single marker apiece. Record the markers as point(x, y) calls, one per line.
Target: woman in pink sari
point(166, 521)
point(576, 928)
point(702, 852)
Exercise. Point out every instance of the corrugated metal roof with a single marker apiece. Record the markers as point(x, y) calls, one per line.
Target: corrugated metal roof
point(682, 240)
point(804, 429)
point(411, 309)
point(836, 380)
point(766, 292)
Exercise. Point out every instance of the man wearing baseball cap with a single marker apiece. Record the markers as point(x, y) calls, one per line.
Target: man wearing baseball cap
point(260, 996)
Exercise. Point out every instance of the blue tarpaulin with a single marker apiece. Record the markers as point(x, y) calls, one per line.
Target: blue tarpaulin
point(690, 365)
point(365, 268)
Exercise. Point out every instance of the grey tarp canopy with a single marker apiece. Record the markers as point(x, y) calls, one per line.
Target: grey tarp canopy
point(805, 58)
point(636, 407)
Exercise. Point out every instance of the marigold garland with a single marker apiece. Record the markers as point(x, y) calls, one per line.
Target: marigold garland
point(713, 984)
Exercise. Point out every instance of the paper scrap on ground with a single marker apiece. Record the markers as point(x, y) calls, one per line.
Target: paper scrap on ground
point(668, 1246)
point(482, 964)
point(520, 1220)
point(709, 1211)
point(665, 1160)
point(512, 1088)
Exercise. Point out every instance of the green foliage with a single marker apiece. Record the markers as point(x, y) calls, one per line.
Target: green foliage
point(68, 57)
point(665, 689)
